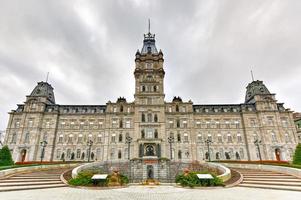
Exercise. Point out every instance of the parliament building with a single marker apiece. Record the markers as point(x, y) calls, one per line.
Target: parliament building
point(259, 128)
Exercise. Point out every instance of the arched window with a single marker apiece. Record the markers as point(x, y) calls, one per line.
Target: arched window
point(92, 156)
point(177, 108)
point(156, 133)
point(155, 88)
point(121, 108)
point(83, 156)
point(120, 137)
point(179, 154)
point(179, 137)
point(143, 88)
point(119, 154)
point(149, 117)
point(156, 118)
point(237, 156)
point(143, 117)
point(178, 123)
point(26, 140)
point(14, 138)
point(142, 134)
point(120, 123)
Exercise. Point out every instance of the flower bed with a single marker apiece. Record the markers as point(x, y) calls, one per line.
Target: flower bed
point(84, 178)
point(190, 179)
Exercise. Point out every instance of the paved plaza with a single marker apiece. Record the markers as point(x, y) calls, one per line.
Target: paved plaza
point(151, 193)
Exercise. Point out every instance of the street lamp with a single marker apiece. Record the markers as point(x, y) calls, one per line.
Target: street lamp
point(208, 142)
point(128, 141)
point(89, 143)
point(257, 143)
point(43, 145)
point(170, 141)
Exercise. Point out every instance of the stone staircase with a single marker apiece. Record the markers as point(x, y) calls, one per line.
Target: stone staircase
point(33, 180)
point(269, 180)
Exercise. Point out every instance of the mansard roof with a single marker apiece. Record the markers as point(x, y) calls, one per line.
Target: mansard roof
point(149, 44)
point(217, 108)
point(255, 88)
point(44, 89)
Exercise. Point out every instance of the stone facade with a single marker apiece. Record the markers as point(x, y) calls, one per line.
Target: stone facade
point(175, 129)
point(297, 119)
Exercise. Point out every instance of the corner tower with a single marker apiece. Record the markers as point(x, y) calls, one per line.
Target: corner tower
point(149, 73)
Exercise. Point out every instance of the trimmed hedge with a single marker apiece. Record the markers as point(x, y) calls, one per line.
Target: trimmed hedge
point(191, 180)
point(297, 155)
point(5, 157)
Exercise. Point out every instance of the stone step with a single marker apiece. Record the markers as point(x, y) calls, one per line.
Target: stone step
point(273, 183)
point(29, 177)
point(30, 183)
point(275, 174)
point(270, 173)
point(274, 179)
point(275, 187)
point(15, 188)
point(27, 180)
point(38, 175)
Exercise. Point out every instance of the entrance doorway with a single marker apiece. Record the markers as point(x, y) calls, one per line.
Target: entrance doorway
point(23, 155)
point(150, 172)
point(277, 154)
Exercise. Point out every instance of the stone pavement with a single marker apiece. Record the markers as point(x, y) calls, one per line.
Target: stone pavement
point(151, 193)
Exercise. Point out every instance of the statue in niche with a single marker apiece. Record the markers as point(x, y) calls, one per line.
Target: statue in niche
point(149, 150)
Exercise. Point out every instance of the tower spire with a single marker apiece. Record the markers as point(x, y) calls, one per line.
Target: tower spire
point(47, 76)
point(148, 25)
point(252, 75)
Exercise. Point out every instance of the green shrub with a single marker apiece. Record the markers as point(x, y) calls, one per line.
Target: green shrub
point(124, 179)
point(297, 155)
point(83, 178)
point(5, 157)
point(191, 180)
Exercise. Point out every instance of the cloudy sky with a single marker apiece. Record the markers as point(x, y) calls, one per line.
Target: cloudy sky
point(89, 47)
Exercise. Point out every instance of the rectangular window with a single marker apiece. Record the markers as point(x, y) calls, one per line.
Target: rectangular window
point(113, 138)
point(128, 124)
point(58, 154)
point(78, 153)
point(239, 138)
point(17, 124)
point(229, 138)
point(219, 138)
point(185, 137)
point(61, 139)
point(80, 138)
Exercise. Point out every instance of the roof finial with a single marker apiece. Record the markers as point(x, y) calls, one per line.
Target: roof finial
point(252, 75)
point(47, 77)
point(148, 25)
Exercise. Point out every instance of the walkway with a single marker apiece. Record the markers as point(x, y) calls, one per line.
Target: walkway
point(152, 193)
point(33, 180)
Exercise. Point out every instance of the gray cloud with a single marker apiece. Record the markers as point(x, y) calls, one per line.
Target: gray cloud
point(89, 46)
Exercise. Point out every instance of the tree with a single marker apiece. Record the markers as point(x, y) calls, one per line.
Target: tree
point(297, 155)
point(5, 157)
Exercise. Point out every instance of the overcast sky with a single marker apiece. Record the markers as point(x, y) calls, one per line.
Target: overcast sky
point(89, 49)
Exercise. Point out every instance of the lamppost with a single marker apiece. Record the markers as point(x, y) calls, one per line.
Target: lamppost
point(208, 142)
point(128, 140)
point(257, 143)
point(170, 141)
point(89, 143)
point(43, 145)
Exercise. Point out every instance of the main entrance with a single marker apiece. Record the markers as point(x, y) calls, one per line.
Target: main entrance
point(277, 154)
point(23, 155)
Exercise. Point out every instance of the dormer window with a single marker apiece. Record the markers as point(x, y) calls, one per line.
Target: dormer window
point(149, 49)
point(149, 65)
